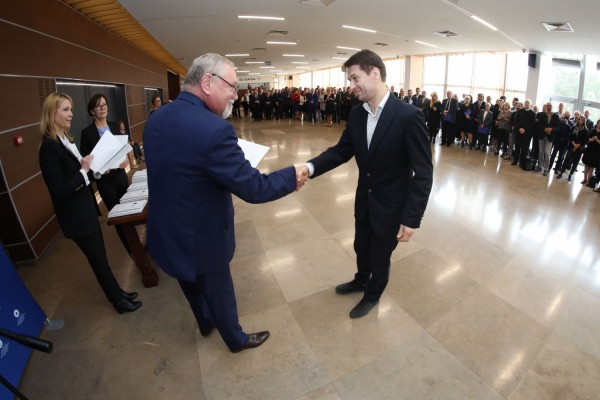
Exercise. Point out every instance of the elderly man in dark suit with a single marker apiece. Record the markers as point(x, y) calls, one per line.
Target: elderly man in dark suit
point(194, 165)
point(389, 140)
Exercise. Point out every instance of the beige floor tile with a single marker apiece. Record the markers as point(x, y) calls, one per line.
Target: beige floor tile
point(419, 368)
point(561, 372)
point(427, 287)
point(284, 367)
point(256, 288)
point(343, 344)
point(325, 393)
point(491, 338)
point(310, 267)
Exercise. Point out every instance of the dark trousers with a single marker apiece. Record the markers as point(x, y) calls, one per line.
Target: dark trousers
point(212, 299)
point(502, 140)
point(560, 152)
point(112, 187)
point(433, 131)
point(137, 152)
point(571, 161)
point(447, 132)
point(522, 142)
point(373, 255)
point(93, 248)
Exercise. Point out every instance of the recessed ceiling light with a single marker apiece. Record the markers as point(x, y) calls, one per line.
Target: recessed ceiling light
point(303, 67)
point(254, 73)
point(426, 44)
point(240, 71)
point(293, 55)
point(359, 29)
point(476, 18)
point(255, 62)
point(291, 43)
point(299, 62)
point(339, 58)
point(260, 17)
point(266, 67)
point(237, 55)
point(347, 48)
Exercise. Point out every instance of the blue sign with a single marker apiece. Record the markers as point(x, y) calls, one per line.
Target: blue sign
point(19, 313)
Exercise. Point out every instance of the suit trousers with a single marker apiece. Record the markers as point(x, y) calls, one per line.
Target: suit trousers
point(373, 255)
point(522, 143)
point(212, 299)
point(93, 248)
point(112, 187)
point(447, 132)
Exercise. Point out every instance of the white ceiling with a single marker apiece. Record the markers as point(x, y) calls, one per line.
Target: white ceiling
point(189, 28)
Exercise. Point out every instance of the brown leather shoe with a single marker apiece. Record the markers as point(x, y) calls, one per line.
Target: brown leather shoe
point(254, 340)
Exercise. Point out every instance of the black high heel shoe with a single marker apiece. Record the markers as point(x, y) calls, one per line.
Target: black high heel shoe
point(124, 305)
point(129, 295)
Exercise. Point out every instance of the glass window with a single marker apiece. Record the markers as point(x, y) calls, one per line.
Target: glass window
point(564, 78)
point(305, 79)
point(488, 74)
point(435, 88)
point(516, 73)
point(434, 71)
point(460, 69)
point(394, 69)
point(318, 78)
point(591, 86)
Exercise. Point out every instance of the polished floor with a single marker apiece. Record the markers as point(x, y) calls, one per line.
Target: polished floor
point(496, 297)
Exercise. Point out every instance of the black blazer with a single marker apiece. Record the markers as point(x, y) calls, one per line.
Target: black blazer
point(73, 203)
point(395, 172)
point(543, 123)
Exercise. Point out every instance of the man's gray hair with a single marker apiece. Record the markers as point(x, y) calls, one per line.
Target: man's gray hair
point(211, 63)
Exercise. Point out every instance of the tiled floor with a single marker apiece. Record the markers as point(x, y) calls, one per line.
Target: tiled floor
point(496, 297)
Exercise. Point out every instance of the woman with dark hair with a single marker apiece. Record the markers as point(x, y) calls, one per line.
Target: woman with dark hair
point(137, 151)
point(577, 141)
point(113, 184)
point(466, 116)
point(65, 173)
point(591, 156)
point(156, 102)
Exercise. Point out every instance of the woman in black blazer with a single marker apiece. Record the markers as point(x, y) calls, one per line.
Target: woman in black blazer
point(113, 184)
point(66, 175)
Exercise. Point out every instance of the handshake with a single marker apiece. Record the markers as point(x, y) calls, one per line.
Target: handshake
point(301, 175)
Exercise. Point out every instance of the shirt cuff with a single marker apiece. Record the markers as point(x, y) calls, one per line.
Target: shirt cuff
point(311, 168)
point(85, 177)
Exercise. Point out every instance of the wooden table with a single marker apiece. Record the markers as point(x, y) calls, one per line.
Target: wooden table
point(128, 223)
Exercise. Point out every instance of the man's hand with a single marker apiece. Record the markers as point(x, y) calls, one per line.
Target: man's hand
point(405, 233)
point(301, 176)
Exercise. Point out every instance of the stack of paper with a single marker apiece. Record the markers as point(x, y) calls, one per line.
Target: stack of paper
point(134, 195)
point(109, 152)
point(253, 152)
point(133, 207)
point(140, 176)
point(137, 186)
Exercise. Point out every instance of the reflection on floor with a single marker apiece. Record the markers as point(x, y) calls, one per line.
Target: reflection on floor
point(497, 296)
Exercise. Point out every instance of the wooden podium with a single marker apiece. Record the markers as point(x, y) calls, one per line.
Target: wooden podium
point(128, 223)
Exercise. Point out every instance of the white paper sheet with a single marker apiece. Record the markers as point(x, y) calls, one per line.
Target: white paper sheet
point(109, 152)
point(252, 151)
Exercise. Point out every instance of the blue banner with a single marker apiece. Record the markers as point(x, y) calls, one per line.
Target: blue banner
point(19, 313)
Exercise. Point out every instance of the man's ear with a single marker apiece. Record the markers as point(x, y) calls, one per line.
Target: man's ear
point(205, 83)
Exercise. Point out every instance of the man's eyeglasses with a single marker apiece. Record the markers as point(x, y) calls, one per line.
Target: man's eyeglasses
point(233, 87)
point(101, 107)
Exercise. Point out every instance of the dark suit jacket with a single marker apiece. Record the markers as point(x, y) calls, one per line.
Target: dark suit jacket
point(452, 108)
point(525, 119)
point(74, 205)
point(543, 123)
point(487, 122)
point(388, 193)
point(194, 165)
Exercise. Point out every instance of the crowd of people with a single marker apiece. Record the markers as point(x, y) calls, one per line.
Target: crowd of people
point(539, 140)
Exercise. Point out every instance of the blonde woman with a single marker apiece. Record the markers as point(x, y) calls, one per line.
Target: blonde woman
point(65, 173)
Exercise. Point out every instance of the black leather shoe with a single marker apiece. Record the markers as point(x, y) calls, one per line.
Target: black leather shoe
point(129, 295)
point(124, 305)
point(362, 308)
point(254, 340)
point(207, 331)
point(350, 287)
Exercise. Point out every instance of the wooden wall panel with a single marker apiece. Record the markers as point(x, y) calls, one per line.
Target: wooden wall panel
point(44, 237)
point(137, 133)
point(20, 162)
point(24, 97)
point(33, 204)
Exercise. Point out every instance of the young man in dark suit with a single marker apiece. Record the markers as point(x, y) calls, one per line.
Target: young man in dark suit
point(389, 141)
point(194, 165)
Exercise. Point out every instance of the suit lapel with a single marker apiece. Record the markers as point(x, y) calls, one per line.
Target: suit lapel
point(385, 119)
